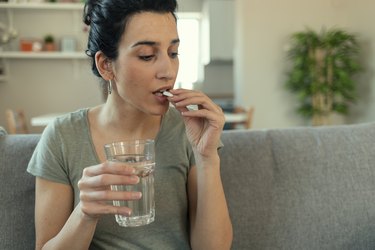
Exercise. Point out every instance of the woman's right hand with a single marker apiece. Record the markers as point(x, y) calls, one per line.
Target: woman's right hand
point(95, 189)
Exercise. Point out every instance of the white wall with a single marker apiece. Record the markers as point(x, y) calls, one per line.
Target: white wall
point(260, 63)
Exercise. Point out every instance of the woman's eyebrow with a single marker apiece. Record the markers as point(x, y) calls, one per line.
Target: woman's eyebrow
point(174, 41)
point(152, 43)
point(149, 43)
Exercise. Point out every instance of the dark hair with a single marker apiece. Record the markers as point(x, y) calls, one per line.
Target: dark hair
point(107, 20)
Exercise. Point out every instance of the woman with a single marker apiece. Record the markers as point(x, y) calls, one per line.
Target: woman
point(134, 46)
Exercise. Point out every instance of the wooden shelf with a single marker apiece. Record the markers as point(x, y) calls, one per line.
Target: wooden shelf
point(42, 6)
point(42, 55)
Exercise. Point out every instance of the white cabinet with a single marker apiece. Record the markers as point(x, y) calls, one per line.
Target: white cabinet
point(218, 30)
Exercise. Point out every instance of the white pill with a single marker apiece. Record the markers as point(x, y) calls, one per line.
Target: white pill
point(167, 93)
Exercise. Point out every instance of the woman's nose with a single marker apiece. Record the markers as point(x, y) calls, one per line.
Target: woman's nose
point(167, 68)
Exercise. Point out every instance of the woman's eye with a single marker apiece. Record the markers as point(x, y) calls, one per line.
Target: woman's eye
point(146, 58)
point(174, 54)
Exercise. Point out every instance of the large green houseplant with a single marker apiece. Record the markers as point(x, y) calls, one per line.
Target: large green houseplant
point(322, 70)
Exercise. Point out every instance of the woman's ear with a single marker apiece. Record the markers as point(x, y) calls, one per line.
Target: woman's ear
point(104, 66)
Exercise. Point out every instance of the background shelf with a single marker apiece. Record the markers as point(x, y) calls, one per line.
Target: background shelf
point(42, 55)
point(41, 6)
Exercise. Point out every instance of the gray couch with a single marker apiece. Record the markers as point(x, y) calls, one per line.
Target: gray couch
point(298, 188)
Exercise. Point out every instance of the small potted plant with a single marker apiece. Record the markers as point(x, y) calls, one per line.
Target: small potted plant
point(49, 43)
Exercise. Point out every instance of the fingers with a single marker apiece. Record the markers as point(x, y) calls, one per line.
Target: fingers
point(109, 195)
point(109, 167)
point(207, 109)
point(96, 180)
point(95, 185)
point(105, 179)
point(94, 210)
point(183, 98)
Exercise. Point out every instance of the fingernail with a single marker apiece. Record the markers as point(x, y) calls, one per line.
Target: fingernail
point(137, 195)
point(132, 171)
point(135, 178)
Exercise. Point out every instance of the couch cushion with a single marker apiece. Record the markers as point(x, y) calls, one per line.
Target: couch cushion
point(301, 188)
point(17, 192)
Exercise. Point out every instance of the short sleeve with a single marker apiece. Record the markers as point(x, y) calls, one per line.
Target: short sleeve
point(47, 160)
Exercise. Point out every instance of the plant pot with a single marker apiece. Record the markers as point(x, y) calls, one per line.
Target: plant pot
point(50, 47)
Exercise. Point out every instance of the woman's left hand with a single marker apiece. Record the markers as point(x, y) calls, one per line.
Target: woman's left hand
point(203, 126)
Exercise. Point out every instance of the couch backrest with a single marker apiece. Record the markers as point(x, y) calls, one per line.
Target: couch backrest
point(17, 193)
point(301, 188)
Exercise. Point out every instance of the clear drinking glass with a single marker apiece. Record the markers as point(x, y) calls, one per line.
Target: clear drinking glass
point(139, 154)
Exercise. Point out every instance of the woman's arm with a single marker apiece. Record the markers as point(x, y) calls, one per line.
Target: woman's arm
point(55, 224)
point(59, 226)
point(211, 226)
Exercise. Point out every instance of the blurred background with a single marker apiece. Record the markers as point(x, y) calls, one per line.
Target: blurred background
point(236, 51)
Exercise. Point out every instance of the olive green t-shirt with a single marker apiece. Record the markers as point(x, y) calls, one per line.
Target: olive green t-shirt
point(66, 148)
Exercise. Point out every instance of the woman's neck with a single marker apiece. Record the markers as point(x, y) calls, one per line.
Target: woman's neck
point(125, 124)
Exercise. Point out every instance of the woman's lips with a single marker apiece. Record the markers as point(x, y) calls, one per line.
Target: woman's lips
point(160, 97)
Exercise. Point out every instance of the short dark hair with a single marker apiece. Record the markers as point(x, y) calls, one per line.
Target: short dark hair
point(108, 18)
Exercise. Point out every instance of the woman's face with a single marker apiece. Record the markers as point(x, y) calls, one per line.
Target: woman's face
point(148, 62)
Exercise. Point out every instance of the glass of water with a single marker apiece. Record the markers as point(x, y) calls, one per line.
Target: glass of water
point(139, 154)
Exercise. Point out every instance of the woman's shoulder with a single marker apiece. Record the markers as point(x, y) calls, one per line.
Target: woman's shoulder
point(69, 124)
point(72, 117)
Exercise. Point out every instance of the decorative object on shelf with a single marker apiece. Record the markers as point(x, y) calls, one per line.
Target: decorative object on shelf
point(323, 66)
point(68, 44)
point(7, 34)
point(49, 43)
point(30, 45)
point(26, 45)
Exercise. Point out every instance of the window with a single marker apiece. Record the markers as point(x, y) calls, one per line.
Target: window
point(191, 67)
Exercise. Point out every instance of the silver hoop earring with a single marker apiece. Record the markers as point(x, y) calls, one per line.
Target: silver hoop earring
point(109, 87)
